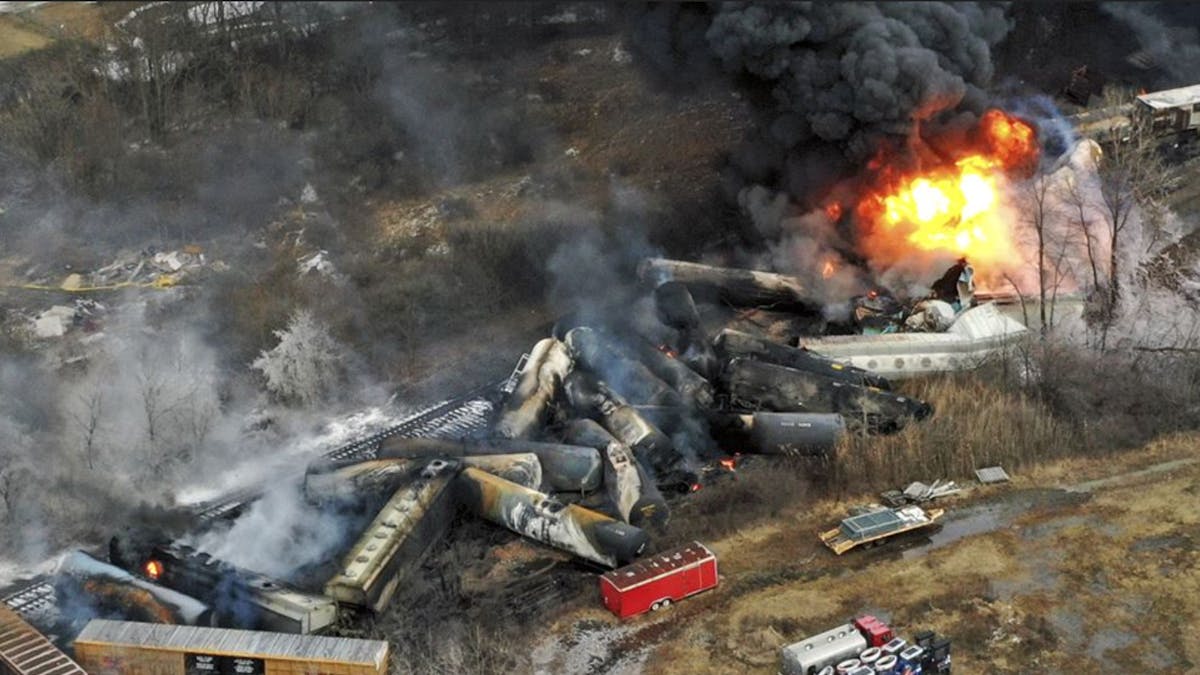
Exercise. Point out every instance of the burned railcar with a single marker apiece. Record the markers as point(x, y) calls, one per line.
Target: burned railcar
point(417, 514)
point(125, 648)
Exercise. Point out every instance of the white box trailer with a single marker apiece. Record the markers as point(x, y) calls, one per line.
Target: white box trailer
point(1170, 110)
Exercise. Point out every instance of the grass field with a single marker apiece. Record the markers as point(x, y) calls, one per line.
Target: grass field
point(18, 37)
point(28, 26)
point(1047, 574)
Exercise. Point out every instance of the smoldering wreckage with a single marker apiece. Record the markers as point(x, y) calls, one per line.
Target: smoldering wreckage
point(599, 429)
point(603, 427)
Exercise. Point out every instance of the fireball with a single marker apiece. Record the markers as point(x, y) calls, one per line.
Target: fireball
point(955, 209)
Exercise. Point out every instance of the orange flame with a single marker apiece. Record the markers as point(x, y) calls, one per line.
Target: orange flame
point(667, 350)
point(828, 269)
point(153, 569)
point(954, 208)
point(834, 211)
point(1010, 140)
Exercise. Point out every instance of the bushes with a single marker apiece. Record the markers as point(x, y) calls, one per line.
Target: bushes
point(975, 424)
point(1073, 402)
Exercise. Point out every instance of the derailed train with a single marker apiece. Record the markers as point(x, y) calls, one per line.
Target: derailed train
point(601, 422)
point(603, 410)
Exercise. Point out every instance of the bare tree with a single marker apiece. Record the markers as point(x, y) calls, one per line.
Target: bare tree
point(1040, 212)
point(86, 414)
point(1131, 175)
point(8, 489)
point(177, 409)
point(1077, 203)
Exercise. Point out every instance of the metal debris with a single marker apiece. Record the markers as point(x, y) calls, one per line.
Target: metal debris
point(992, 474)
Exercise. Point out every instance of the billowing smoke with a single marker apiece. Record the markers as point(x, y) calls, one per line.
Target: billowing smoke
point(835, 83)
point(842, 78)
point(1167, 32)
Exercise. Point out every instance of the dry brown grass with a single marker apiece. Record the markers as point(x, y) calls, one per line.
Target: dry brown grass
point(17, 37)
point(976, 424)
point(1080, 404)
point(1066, 587)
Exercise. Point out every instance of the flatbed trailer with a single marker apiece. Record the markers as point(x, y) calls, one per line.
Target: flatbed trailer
point(872, 528)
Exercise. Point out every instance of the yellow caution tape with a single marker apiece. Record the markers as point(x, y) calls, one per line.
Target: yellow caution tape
point(162, 282)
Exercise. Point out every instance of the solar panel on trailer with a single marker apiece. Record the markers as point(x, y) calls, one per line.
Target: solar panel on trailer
point(870, 524)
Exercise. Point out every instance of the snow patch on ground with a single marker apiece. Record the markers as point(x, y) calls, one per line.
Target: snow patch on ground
point(588, 648)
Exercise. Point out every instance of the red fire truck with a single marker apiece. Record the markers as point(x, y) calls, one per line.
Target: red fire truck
point(656, 581)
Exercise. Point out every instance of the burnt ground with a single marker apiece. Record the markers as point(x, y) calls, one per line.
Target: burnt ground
point(1056, 572)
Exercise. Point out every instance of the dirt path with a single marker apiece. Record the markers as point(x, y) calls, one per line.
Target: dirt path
point(1030, 577)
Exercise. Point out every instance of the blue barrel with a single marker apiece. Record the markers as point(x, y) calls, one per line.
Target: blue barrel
point(910, 660)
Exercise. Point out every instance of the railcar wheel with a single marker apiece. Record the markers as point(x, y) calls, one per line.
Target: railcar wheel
point(666, 603)
point(655, 607)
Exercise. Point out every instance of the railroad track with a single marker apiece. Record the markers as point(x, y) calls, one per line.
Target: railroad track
point(36, 596)
point(458, 417)
point(454, 418)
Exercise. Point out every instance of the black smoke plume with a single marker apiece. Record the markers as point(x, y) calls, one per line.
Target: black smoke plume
point(834, 81)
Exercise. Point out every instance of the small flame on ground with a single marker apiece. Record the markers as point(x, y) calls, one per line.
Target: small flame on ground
point(667, 350)
point(729, 463)
point(834, 211)
point(696, 487)
point(153, 569)
point(828, 269)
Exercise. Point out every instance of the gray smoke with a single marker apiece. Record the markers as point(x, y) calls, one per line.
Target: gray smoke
point(1171, 42)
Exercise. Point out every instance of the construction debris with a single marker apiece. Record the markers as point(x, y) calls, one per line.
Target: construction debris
point(54, 322)
point(919, 493)
point(992, 474)
point(317, 262)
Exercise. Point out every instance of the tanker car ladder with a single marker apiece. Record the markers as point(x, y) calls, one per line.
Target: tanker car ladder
point(870, 529)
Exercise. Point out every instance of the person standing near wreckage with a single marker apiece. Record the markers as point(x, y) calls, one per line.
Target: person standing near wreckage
point(957, 286)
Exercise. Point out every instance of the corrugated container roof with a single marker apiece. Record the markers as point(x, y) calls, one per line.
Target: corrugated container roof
point(26, 651)
point(1171, 98)
point(235, 642)
point(658, 564)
